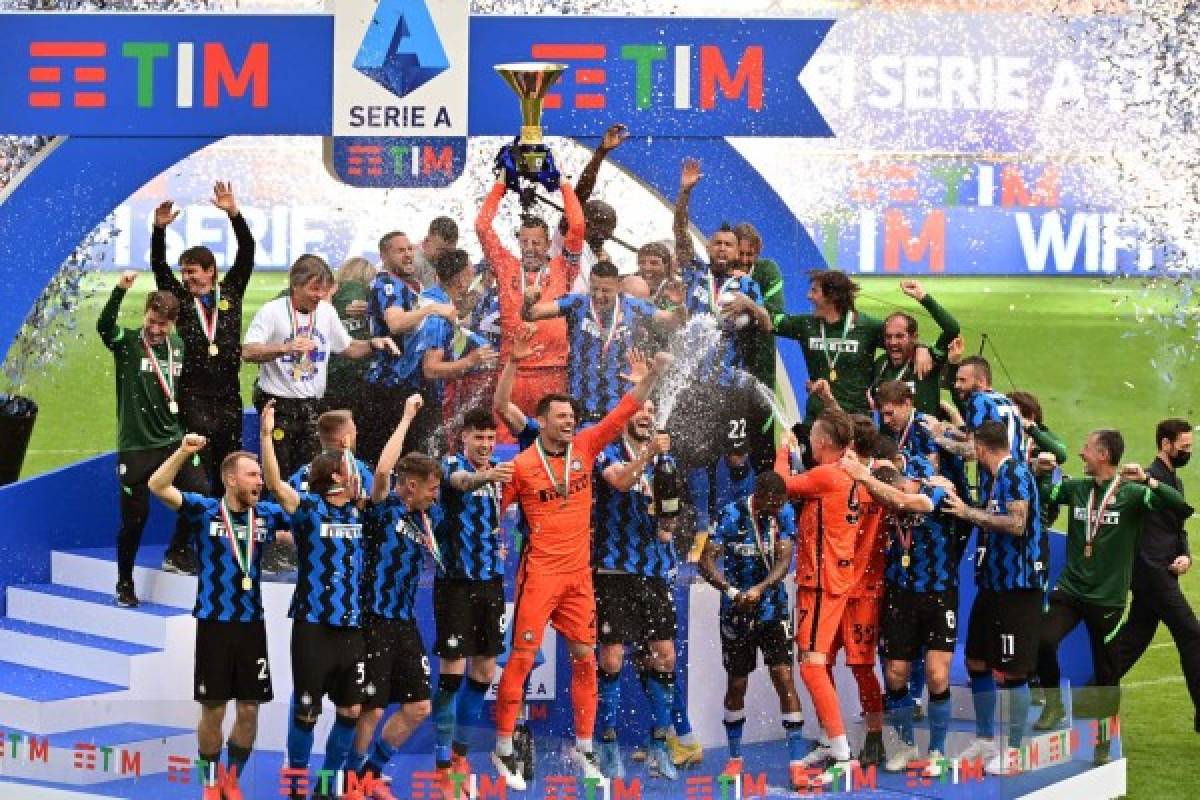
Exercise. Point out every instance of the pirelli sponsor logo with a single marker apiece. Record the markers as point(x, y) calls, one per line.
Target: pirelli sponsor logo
point(217, 530)
point(1108, 518)
point(832, 345)
point(341, 530)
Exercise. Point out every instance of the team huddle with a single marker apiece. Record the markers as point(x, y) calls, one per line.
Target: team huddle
point(383, 395)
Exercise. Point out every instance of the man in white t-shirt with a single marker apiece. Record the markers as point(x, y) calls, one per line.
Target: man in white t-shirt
point(291, 339)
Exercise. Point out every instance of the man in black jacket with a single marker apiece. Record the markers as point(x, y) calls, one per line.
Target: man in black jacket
point(210, 324)
point(1163, 556)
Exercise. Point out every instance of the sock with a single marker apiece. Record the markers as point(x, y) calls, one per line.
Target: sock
point(236, 758)
point(735, 721)
point(213, 759)
point(661, 687)
point(939, 720)
point(899, 705)
point(444, 708)
point(824, 697)
point(870, 693)
point(609, 702)
point(840, 747)
point(299, 743)
point(916, 679)
point(469, 712)
point(357, 762)
point(679, 715)
point(512, 691)
point(793, 730)
point(504, 745)
point(1018, 709)
point(583, 695)
point(983, 695)
point(583, 744)
point(381, 753)
point(339, 743)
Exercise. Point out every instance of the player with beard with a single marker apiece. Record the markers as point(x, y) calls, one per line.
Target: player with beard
point(1106, 512)
point(552, 483)
point(545, 371)
point(210, 399)
point(754, 539)
point(634, 558)
point(602, 328)
point(148, 361)
point(1012, 555)
point(328, 652)
point(829, 526)
point(468, 590)
point(394, 309)
point(336, 431)
point(900, 350)
point(231, 638)
point(981, 403)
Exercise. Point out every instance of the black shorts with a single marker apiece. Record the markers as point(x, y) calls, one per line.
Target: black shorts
point(327, 660)
point(741, 641)
point(633, 609)
point(231, 663)
point(1003, 629)
point(913, 621)
point(470, 618)
point(397, 667)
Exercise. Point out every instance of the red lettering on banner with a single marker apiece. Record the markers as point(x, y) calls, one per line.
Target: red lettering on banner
point(747, 79)
point(179, 769)
point(492, 787)
point(253, 76)
point(39, 750)
point(619, 790)
point(131, 762)
point(898, 236)
point(53, 74)
point(431, 161)
point(1014, 191)
point(754, 785)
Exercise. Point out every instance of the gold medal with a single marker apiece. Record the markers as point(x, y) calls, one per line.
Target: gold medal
point(277, 434)
point(213, 349)
point(247, 584)
point(223, 305)
point(1087, 550)
point(173, 407)
point(833, 376)
point(905, 560)
point(297, 372)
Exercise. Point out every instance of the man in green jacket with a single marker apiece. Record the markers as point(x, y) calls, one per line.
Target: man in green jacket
point(900, 343)
point(1105, 512)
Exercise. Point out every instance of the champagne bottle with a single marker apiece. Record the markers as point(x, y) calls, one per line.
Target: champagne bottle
point(666, 487)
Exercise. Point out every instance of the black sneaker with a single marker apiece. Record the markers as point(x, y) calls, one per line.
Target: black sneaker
point(1103, 753)
point(873, 753)
point(180, 562)
point(509, 771)
point(125, 596)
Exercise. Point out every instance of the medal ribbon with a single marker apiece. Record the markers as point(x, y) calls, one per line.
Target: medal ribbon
point(713, 294)
point(846, 326)
point(643, 483)
point(350, 467)
point(912, 419)
point(904, 533)
point(208, 324)
point(612, 327)
point(167, 384)
point(429, 540)
point(537, 282)
point(762, 552)
point(294, 317)
point(564, 487)
point(1092, 528)
point(245, 559)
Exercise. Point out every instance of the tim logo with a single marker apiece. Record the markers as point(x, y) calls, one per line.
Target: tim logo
point(77, 74)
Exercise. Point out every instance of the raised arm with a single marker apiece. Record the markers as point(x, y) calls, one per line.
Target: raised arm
point(1158, 495)
point(391, 450)
point(945, 321)
point(587, 179)
point(576, 227)
point(106, 323)
point(485, 227)
point(161, 482)
point(164, 278)
point(238, 276)
point(685, 252)
point(288, 499)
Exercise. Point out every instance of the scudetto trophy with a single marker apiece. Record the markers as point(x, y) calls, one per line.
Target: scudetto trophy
point(531, 81)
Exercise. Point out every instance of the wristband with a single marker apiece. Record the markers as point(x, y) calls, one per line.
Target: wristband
point(732, 592)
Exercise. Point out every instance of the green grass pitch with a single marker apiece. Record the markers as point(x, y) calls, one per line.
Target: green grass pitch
point(1093, 351)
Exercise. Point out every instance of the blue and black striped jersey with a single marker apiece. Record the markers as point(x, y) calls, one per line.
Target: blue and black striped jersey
point(986, 406)
point(704, 294)
point(599, 349)
point(930, 543)
point(389, 291)
point(469, 531)
point(1004, 562)
point(396, 551)
point(747, 557)
point(219, 593)
point(624, 533)
point(329, 543)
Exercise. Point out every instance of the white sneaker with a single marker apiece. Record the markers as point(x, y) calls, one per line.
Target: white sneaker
point(818, 756)
point(936, 764)
point(585, 761)
point(980, 749)
point(1004, 762)
point(898, 759)
point(506, 767)
point(838, 771)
